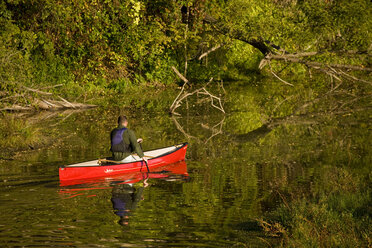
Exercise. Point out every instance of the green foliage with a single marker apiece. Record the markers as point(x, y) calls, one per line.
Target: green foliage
point(88, 43)
point(335, 213)
point(17, 134)
point(14, 52)
point(96, 45)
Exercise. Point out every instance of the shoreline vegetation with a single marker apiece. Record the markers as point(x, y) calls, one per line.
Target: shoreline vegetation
point(78, 51)
point(312, 60)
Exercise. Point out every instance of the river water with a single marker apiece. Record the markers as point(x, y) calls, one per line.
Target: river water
point(233, 168)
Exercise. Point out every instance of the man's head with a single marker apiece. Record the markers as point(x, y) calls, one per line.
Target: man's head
point(123, 121)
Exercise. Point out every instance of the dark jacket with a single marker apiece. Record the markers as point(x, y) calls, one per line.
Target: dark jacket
point(129, 145)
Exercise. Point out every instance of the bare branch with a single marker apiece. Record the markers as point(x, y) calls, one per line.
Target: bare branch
point(53, 86)
point(285, 82)
point(70, 104)
point(210, 50)
point(293, 58)
point(183, 94)
point(354, 78)
point(37, 91)
point(180, 75)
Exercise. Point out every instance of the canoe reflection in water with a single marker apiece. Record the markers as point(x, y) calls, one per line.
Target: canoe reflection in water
point(127, 189)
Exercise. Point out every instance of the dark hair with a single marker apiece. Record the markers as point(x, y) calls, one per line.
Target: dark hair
point(122, 119)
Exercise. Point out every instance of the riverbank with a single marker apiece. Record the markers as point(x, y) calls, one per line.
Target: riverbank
point(18, 134)
point(330, 204)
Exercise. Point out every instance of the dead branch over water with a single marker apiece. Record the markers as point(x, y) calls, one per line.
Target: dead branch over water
point(210, 50)
point(274, 52)
point(335, 71)
point(36, 99)
point(215, 101)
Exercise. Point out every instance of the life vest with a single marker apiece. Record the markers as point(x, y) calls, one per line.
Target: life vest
point(117, 142)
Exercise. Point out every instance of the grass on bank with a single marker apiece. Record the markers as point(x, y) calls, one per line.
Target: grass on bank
point(335, 212)
point(18, 134)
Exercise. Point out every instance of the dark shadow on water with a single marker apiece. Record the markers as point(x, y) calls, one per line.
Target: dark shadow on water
point(253, 135)
point(249, 226)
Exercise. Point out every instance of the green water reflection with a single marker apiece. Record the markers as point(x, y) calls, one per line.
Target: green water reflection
point(235, 164)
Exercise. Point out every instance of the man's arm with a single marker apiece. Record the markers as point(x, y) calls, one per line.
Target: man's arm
point(111, 139)
point(134, 143)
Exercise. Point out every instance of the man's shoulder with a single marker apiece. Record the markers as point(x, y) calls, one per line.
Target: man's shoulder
point(129, 131)
point(119, 128)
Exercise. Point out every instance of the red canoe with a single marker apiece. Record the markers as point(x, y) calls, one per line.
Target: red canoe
point(93, 169)
point(174, 171)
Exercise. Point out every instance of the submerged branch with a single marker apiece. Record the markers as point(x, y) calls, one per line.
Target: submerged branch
point(184, 94)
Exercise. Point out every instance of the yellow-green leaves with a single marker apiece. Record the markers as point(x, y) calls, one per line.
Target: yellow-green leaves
point(135, 11)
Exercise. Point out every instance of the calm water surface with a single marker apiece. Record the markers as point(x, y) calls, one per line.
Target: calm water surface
point(232, 169)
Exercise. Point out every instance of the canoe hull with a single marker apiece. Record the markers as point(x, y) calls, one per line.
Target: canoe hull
point(176, 171)
point(83, 172)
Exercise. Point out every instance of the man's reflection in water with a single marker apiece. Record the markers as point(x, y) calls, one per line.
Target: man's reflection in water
point(125, 198)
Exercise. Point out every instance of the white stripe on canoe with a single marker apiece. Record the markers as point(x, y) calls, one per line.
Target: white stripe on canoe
point(154, 153)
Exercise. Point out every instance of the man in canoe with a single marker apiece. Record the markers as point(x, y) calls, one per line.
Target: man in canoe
point(124, 142)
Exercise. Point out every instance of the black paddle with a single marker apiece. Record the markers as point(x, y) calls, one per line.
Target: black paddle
point(147, 165)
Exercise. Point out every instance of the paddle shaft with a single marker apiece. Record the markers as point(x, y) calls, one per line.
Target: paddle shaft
point(147, 165)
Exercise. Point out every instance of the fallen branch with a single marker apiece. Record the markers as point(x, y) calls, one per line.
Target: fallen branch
point(183, 95)
point(293, 58)
point(333, 70)
point(37, 91)
point(204, 91)
point(210, 50)
point(180, 75)
point(285, 82)
point(9, 97)
point(47, 105)
point(53, 86)
point(177, 102)
point(39, 102)
point(17, 108)
point(354, 78)
point(70, 104)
